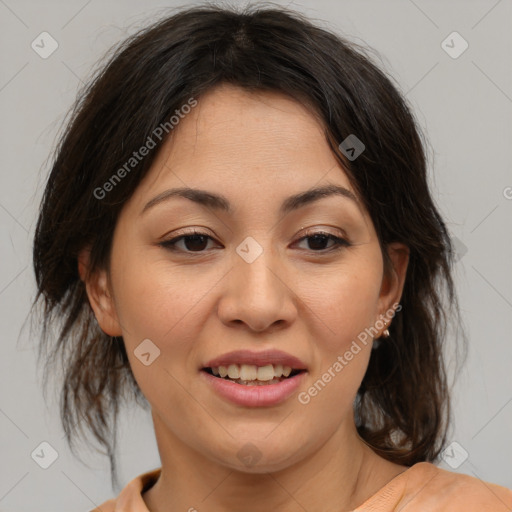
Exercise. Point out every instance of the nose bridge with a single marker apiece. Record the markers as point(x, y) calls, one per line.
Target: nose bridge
point(256, 265)
point(257, 294)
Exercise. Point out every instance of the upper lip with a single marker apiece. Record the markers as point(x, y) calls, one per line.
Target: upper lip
point(262, 358)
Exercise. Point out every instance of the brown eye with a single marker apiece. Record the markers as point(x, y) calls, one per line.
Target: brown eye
point(317, 241)
point(192, 242)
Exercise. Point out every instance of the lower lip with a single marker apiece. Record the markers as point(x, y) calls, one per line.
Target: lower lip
point(255, 396)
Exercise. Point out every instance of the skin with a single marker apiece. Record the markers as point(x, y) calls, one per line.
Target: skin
point(310, 301)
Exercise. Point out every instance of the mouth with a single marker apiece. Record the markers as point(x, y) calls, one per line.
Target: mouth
point(253, 375)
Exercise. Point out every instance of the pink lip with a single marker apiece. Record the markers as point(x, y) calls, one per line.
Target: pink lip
point(257, 358)
point(254, 396)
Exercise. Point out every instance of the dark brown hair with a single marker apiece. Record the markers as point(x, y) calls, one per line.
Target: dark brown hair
point(402, 407)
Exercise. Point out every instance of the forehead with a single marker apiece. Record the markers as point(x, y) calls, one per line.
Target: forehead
point(265, 141)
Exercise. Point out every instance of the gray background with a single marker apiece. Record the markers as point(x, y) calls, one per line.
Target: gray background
point(465, 106)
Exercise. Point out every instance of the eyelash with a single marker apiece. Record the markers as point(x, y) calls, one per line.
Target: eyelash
point(339, 243)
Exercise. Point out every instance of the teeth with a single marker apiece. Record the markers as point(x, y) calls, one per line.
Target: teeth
point(233, 371)
point(265, 372)
point(250, 372)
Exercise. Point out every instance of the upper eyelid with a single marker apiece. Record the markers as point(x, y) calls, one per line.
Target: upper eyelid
point(341, 239)
point(308, 232)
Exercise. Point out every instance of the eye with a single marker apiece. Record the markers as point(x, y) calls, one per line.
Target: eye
point(195, 241)
point(317, 240)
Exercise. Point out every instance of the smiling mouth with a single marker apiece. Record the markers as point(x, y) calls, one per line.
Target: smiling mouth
point(252, 375)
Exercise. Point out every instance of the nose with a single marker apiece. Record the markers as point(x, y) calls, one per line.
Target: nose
point(259, 294)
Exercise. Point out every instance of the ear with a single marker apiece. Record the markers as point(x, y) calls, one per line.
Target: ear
point(100, 295)
point(393, 280)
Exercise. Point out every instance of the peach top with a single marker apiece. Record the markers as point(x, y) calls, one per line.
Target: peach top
point(421, 488)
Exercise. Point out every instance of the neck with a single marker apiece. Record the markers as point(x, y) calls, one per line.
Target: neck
point(340, 475)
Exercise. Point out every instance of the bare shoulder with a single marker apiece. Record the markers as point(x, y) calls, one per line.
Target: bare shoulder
point(108, 506)
point(458, 492)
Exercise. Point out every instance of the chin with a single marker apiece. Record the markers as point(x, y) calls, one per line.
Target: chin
point(258, 456)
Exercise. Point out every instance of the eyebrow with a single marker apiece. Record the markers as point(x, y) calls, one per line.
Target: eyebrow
point(220, 202)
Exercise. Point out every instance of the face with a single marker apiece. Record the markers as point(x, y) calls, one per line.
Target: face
point(254, 277)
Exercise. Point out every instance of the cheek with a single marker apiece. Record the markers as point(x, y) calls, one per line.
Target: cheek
point(348, 303)
point(166, 308)
point(347, 308)
point(153, 300)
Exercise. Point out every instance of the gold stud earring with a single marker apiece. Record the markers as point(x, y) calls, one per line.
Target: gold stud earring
point(385, 333)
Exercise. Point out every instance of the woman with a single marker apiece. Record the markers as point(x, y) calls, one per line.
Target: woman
point(238, 229)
